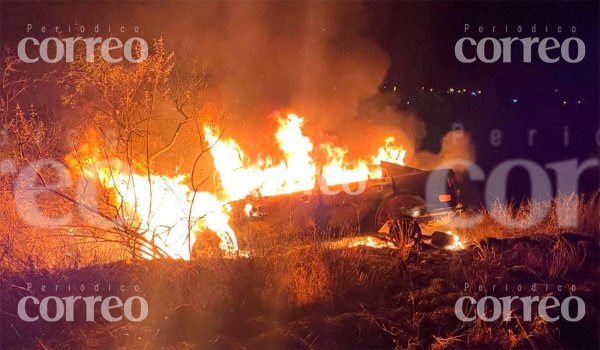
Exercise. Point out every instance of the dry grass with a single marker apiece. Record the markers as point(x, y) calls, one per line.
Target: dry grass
point(534, 217)
point(298, 278)
point(299, 292)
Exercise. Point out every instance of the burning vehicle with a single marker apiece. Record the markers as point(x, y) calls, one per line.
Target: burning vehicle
point(391, 206)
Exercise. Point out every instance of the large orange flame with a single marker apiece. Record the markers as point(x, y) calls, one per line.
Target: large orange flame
point(169, 214)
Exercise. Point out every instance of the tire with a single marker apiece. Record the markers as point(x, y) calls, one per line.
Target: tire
point(395, 208)
point(405, 231)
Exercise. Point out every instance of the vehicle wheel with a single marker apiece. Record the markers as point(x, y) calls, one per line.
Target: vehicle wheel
point(405, 231)
point(395, 208)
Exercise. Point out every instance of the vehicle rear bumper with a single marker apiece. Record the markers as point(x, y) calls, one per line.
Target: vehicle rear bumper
point(431, 215)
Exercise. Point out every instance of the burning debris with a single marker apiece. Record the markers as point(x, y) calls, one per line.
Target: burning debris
point(442, 240)
point(446, 240)
point(456, 244)
point(362, 241)
point(170, 215)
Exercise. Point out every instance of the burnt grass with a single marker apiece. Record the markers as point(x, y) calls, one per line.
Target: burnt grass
point(313, 297)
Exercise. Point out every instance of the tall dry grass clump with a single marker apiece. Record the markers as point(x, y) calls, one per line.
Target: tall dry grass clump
point(564, 213)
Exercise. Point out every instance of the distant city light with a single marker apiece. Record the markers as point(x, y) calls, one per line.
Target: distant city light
point(475, 93)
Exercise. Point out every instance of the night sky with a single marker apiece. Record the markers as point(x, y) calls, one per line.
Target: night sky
point(516, 97)
point(421, 37)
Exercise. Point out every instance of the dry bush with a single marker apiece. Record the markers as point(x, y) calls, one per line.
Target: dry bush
point(137, 113)
point(535, 217)
point(26, 241)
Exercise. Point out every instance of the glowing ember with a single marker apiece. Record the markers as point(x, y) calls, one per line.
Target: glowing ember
point(370, 241)
point(363, 241)
point(457, 244)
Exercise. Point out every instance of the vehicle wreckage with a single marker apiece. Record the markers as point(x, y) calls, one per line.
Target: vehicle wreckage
point(392, 207)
